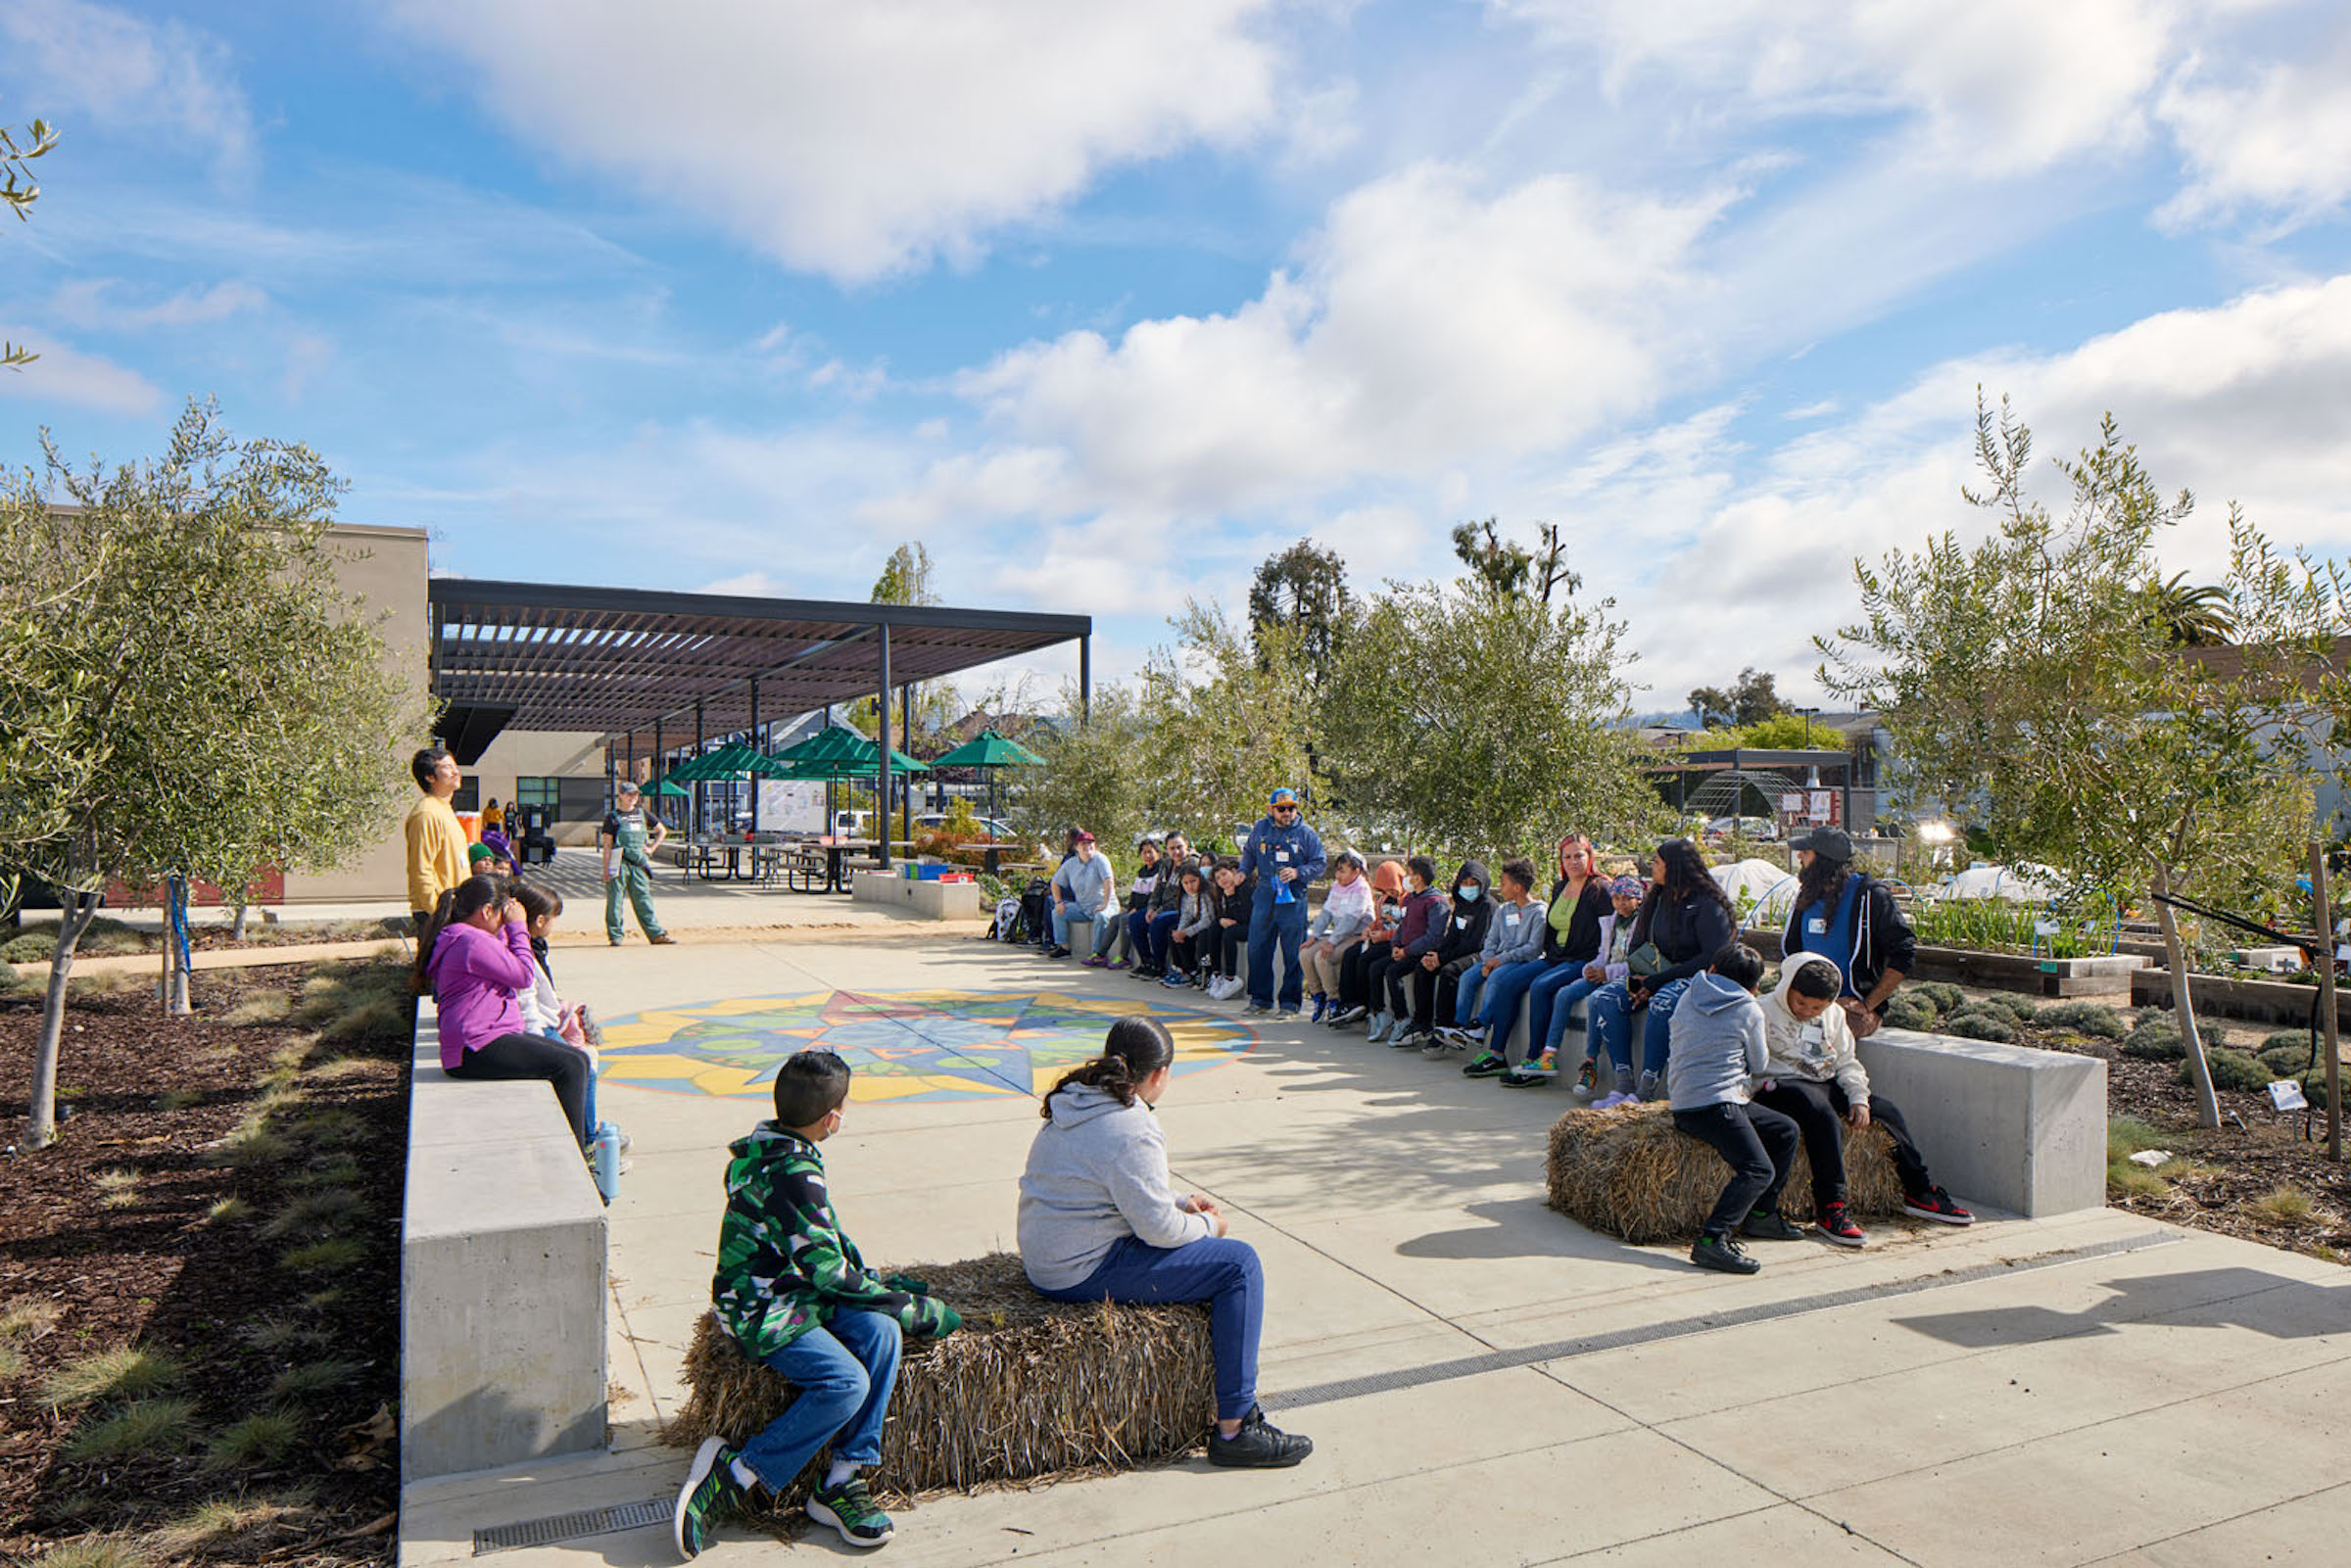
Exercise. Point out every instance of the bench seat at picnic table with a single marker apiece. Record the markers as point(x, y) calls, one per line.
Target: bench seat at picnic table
point(1026, 1389)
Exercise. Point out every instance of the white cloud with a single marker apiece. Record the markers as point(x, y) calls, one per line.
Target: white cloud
point(2278, 137)
point(67, 375)
point(163, 80)
point(95, 302)
point(862, 140)
point(1429, 322)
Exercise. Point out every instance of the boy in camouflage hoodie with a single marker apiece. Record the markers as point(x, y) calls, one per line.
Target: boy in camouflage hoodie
point(793, 1291)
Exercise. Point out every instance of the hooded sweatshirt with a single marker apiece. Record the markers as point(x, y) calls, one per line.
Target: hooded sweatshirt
point(1718, 1045)
point(1168, 892)
point(1423, 924)
point(1345, 915)
point(784, 1264)
point(1097, 1174)
point(475, 977)
point(1145, 882)
point(1387, 901)
point(1816, 1052)
point(1466, 933)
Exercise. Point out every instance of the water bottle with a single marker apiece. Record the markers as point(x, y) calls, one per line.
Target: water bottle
point(605, 1159)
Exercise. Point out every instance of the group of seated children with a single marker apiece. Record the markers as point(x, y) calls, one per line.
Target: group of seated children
point(1184, 919)
point(1098, 1221)
point(1754, 1078)
point(481, 957)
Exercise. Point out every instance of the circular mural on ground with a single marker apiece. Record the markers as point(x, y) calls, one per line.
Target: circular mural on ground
point(901, 1045)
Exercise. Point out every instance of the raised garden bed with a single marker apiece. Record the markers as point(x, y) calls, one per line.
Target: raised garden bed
point(198, 1279)
point(2282, 1003)
point(2107, 976)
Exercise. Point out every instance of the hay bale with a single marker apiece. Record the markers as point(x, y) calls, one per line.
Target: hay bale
point(1630, 1173)
point(1027, 1390)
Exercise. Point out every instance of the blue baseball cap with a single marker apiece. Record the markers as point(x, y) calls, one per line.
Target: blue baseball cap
point(1284, 796)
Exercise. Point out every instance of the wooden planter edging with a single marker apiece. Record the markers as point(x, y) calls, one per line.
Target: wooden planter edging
point(2005, 971)
point(2254, 1001)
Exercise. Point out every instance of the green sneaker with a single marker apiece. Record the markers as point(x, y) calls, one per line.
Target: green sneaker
point(849, 1508)
point(1486, 1065)
point(1540, 1067)
point(710, 1494)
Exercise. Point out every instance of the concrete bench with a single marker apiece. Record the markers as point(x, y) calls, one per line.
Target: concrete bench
point(501, 1276)
point(2005, 1125)
point(933, 900)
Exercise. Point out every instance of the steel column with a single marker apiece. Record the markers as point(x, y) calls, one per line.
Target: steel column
point(882, 763)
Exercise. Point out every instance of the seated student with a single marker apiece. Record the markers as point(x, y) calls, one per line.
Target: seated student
point(543, 1013)
point(1687, 919)
point(1814, 1079)
point(1387, 909)
point(1418, 929)
point(1719, 1050)
point(1340, 924)
point(1084, 888)
point(1511, 955)
point(1138, 899)
point(1572, 937)
point(1155, 926)
point(1229, 938)
point(1611, 961)
point(1196, 913)
point(794, 1293)
point(1099, 1222)
point(475, 957)
point(1457, 947)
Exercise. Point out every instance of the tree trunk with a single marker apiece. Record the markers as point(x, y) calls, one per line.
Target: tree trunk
point(2208, 1104)
point(73, 914)
point(236, 928)
point(175, 962)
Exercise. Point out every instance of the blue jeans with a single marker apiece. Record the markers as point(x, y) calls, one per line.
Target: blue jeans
point(1162, 932)
point(1492, 1000)
point(1104, 925)
point(845, 1371)
point(1269, 923)
point(1541, 1028)
point(1560, 999)
point(1611, 1025)
point(1216, 1269)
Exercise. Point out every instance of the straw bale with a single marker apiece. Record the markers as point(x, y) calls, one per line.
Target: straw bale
point(1630, 1173)
point(1027, 1390)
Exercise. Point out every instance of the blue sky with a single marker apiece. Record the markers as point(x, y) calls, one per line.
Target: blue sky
point(1105, 304)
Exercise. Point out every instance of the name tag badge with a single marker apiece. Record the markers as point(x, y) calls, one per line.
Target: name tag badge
point(1815, 1035)
point(1511, 919)
point(1281, 857)
point(1817, 926)
point(1460, 922)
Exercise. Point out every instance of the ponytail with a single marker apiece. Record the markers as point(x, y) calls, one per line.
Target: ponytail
point(1135, 1048)
point(427, 934)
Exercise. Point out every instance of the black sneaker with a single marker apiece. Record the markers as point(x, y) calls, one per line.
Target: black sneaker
point(1935, 1203)
point(1769, 1224)
point(1722, 1253)
point(1057, 952)
point(710, 1494)
point(849, 1508)
point(1257, 1445)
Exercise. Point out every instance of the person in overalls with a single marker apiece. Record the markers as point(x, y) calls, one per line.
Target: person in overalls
point(629, 864)
point(1284, 855)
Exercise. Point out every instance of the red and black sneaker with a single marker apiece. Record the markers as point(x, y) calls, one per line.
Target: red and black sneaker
point(1935, 1203)
point(1838, 1228)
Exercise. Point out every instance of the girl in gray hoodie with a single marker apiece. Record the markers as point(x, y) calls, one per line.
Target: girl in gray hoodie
point(1099, 1221)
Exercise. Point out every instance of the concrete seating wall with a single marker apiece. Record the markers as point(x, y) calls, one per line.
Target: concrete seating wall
point(933, 900)
point(501, 1276)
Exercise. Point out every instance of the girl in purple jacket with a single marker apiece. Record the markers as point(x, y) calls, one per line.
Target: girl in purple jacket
point(474, 959)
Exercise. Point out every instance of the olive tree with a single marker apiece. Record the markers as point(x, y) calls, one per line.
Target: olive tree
point(185, 689)
point(1228, 717)
point(2033, 685)
point(18, 192)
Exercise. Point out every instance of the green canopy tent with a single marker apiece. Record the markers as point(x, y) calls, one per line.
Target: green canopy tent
point(992, 751)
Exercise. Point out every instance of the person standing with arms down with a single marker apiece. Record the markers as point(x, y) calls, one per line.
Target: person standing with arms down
point(1284, 855)
point(436, 843)
point(629, 863)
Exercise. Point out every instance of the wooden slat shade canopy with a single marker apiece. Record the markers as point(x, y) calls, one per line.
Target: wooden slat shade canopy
point(618, 661)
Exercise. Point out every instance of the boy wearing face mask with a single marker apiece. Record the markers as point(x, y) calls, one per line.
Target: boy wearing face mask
point(1440, 968)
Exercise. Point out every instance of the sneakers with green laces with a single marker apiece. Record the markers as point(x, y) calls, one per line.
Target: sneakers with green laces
point(1540, 1067)
point(710, 1494)
point(1486, 1065)
point(849, 1508)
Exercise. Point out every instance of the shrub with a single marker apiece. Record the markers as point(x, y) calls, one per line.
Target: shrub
point(31, 947)
point(89, 1551)
point(1981, 1024)
point(2286, 1061)
point(2231, 1069)
point(314, 1378)
point(2288, 1206)
point(1946, 997)
point(2156, 1040)
point(262, 1439)
point(2094, 1019)
point(1909, 1011)
point(2279, 1039)
point(2314, 1089)
point(258, 1007)
point(141, 1427)
point(102, 1374)
point(376, 1024)
point(313, 1212)
point(332, 1253)
point(28, 1319)
point(2020, 1008)
point(2135, 1181)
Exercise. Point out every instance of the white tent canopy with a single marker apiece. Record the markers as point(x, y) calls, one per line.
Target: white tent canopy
point(1768, 888)
point(2021, 884)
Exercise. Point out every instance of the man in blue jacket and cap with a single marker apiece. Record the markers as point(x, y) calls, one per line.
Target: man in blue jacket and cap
point(1283, 854)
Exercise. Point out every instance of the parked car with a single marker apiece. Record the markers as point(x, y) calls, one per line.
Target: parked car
point(1722, 829)
point(995, 830)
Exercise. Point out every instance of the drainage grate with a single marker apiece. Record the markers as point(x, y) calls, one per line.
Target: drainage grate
point(572, 1526)
point(1351, 1387)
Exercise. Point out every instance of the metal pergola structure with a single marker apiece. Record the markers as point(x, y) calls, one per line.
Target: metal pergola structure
point(654, 672)
point(1702, 780)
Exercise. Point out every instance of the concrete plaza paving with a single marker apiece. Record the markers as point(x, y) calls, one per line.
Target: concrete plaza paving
point(1485, 1381)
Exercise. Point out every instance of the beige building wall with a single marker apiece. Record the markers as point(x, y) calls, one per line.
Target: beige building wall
point(539, 754)
point(385, 567)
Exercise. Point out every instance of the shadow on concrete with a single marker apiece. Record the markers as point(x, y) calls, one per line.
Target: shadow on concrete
point(1524, 1227)
point(2274, 1304)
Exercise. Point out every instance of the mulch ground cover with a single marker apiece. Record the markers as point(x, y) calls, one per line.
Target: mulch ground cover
point(2224, 1179)
point(225, 1198)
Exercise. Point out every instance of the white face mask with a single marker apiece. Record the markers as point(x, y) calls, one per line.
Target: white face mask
point(1469, 889)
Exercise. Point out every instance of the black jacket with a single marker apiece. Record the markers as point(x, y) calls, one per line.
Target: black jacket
point(1688, 933)
point(1582, 945)
point(1882, 939)
point(1465, 931)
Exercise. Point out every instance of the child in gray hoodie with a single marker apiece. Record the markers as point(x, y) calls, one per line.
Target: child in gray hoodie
point(1719, 1047)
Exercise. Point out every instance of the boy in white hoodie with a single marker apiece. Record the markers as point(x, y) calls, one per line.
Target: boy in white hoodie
point(1816, 1079)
